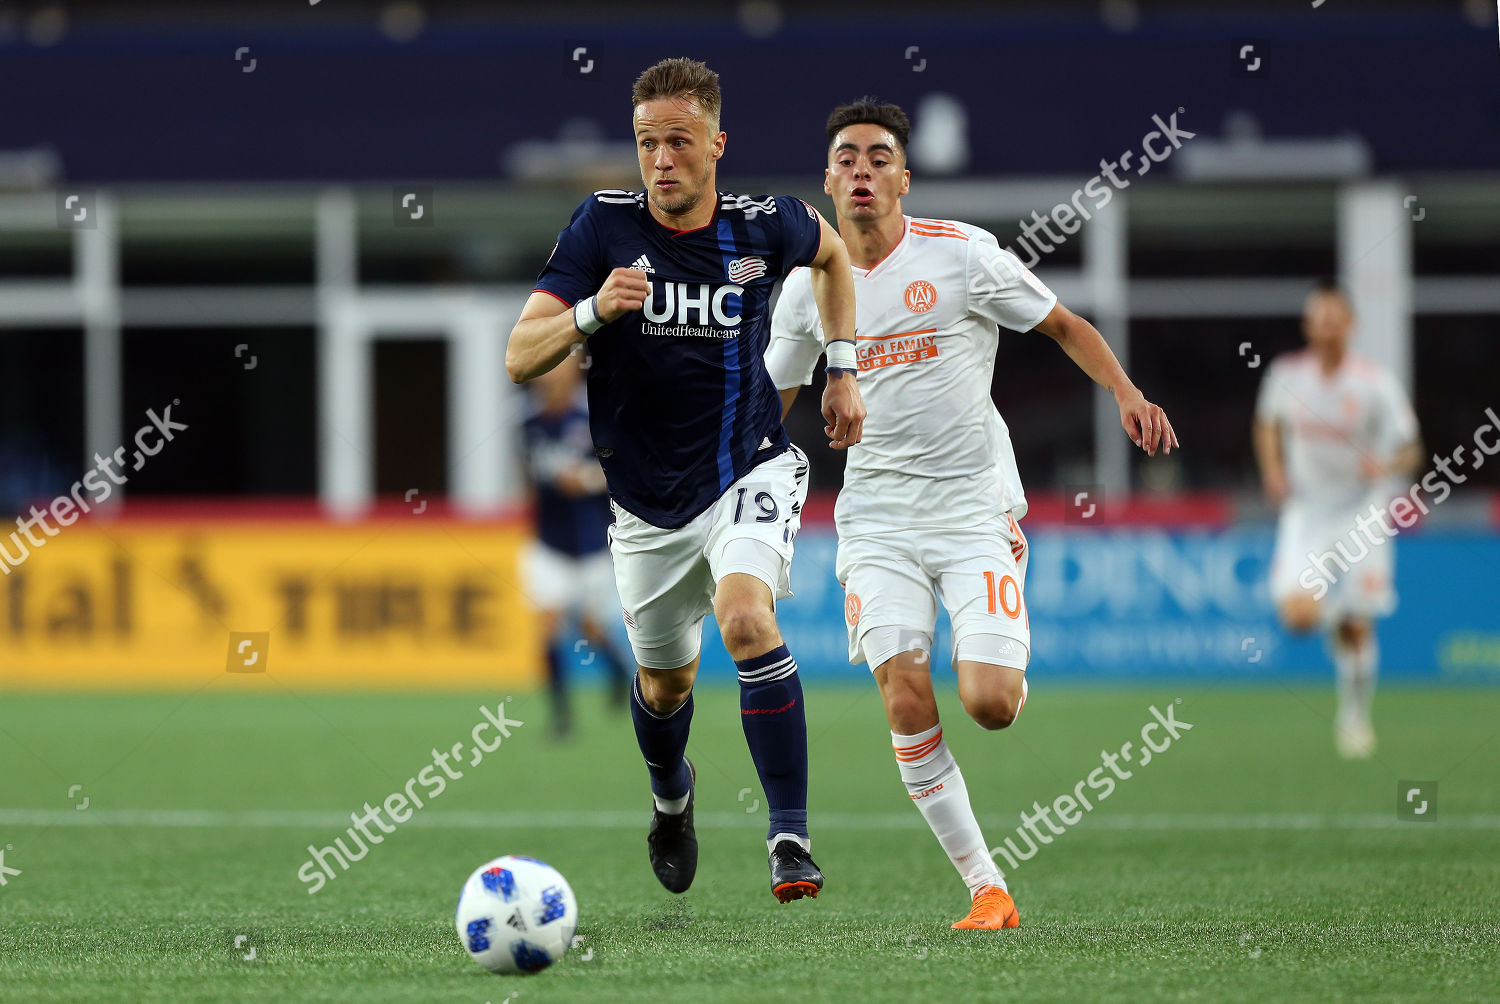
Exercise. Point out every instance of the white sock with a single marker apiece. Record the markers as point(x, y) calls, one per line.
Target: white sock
point(804, 842)
point(670, 806)
point(937, 787)
point(1357, 669)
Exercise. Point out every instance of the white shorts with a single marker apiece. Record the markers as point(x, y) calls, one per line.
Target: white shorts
point(892, 581)
point(1350, 576)
point(667, 578)
point(562, 582)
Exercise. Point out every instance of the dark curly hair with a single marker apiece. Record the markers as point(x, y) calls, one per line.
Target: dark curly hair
point(872, 111)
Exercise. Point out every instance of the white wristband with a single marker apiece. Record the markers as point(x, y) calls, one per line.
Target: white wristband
point(840, 354)
point(586, 316)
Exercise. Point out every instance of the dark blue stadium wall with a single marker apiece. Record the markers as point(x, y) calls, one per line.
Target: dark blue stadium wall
point(1043, 96)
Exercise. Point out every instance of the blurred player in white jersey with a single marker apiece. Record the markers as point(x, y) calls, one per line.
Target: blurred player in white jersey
point(1332, 430)
point(931, 494)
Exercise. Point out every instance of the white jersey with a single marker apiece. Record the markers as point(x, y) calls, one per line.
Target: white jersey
point(935, 451)
point(1332, 425)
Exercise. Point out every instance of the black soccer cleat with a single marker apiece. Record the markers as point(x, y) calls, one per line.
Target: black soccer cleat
point(794, 874)
point(673, 843)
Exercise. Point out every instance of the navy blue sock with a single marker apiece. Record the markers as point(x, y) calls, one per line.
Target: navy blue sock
point(776, 731)
point(663, 741)
point(614, 670)
point(557, 679)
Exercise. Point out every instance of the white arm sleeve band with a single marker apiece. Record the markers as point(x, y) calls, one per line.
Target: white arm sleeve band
point(796, 342)
point(791, 361)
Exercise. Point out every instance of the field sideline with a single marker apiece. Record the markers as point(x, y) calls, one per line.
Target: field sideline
point(1243, 861)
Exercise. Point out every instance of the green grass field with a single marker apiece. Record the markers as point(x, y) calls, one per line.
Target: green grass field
point(1246, 861)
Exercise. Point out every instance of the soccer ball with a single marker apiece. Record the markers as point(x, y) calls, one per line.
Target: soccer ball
point(516, 915)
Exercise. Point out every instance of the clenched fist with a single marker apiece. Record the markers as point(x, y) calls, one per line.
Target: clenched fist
point(625, 290)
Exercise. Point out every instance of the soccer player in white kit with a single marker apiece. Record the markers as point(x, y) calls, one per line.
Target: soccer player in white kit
point(1331, 430)
point(931, 495)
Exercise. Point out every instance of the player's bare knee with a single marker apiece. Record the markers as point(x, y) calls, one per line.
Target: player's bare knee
point(592, 629)
point(748, 629)
point(665, 690)
point(1353, 632)
point(909, 709)
point(994, 711)
point(1300, 614)
point(992, 693)
point(906, 690)
point(547, 622)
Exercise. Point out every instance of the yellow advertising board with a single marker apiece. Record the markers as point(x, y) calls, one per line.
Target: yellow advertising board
point(391, 603)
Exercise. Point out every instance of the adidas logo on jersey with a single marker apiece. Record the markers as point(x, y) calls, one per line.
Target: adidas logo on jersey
point(643, 264)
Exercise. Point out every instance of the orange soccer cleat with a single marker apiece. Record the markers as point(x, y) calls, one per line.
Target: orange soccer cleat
point(993, 909)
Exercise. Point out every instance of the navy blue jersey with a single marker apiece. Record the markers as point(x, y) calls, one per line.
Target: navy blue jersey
point(576, 525)
point(680, 402)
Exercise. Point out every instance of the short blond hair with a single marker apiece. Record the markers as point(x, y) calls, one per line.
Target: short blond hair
point(681, 77)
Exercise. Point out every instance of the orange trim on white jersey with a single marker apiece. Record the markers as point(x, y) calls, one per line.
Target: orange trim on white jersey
point(1018, 546)
point(930, 228)
point(925, 233)
point(937, 224)
point(899, 334)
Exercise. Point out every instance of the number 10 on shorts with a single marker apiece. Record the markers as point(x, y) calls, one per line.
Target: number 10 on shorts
point(1005, 595)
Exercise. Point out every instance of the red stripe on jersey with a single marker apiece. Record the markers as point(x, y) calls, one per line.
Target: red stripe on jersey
point(554, 296)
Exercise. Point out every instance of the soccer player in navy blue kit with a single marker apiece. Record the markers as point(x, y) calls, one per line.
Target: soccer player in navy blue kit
point(567, 568)
point(671, 289)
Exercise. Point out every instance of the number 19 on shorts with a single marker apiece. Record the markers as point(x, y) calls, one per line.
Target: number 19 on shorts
point(764, 502)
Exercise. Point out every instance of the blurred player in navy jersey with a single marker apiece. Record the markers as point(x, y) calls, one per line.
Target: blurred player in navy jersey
point(671, 287)
point(567, 569)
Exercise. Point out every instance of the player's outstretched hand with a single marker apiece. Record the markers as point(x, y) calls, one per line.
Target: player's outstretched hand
point(844, 411)
point(625, 290)
point(1146, 424)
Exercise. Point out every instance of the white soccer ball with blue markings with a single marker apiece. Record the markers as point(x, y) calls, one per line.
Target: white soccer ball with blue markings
point(516, 915)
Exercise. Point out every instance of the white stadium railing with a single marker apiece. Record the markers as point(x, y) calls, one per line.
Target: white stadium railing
point(1374, 253)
